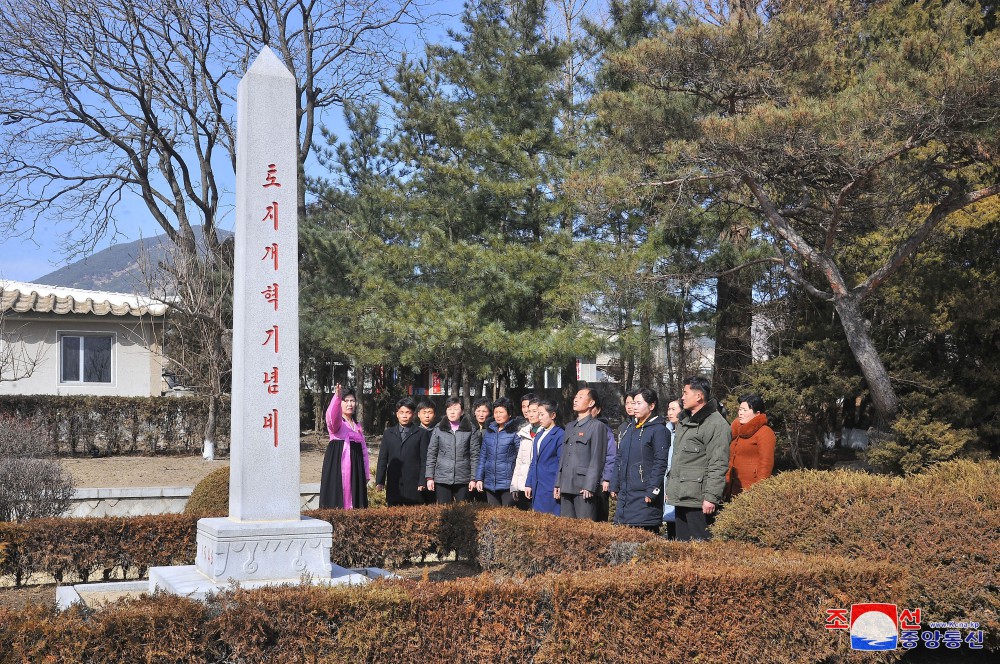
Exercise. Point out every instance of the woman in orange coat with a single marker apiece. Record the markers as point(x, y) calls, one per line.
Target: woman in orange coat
point(751, 454)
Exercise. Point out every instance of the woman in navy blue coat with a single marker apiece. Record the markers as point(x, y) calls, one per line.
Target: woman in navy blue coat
point(641, 465)
point(545, 450)
point(497, 455)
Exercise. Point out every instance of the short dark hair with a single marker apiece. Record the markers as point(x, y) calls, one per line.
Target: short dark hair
point(650, 396)
point(426, 403)
point(530, 396)
point(451, 401)
point(701, 384)
point(754, 401)
point(407, 402)
point(481, 401)
point(503, 402)
point(632, 393)
point(549, 405)
point(349, 392)
point(594, 396)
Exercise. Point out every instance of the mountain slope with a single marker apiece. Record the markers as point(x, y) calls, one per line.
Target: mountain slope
point(116, 268)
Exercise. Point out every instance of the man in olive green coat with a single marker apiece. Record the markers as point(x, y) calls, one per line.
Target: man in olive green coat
point(697, 475)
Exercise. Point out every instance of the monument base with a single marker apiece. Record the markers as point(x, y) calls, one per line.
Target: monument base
point(249, 551)
point(187, 581)
point(254, 554)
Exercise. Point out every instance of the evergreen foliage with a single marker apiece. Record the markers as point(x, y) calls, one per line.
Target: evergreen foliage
point(851, 134)
point(469, 260)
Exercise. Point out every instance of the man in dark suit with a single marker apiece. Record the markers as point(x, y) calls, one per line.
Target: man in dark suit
point(582, 463)
point(402, 458)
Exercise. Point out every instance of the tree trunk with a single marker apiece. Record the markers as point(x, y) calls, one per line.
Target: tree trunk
point(682, 363)
point(879, 384)
point(466, 390)
point(733, 354)
point(630, 373)
point(211, 423)
point(669, 354)
point(569, 388)
point(646, 353)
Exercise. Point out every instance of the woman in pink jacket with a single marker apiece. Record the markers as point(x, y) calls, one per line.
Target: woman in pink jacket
point(346, 469)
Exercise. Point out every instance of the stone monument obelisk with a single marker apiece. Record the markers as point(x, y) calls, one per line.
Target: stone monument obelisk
point(265, 540)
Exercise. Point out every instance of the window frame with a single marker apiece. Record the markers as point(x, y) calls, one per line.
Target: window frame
point(64, 334)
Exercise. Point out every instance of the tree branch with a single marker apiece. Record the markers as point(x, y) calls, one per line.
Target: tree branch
point(799, 245)
point(912, 243)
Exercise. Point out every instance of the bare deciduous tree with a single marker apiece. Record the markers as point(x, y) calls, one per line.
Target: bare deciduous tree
point(196, 339)
point(105, 101)
point(18, 359)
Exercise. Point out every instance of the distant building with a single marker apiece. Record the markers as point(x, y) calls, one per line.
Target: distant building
point(69, 341)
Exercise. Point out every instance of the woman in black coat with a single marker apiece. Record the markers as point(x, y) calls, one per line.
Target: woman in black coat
point(641, 465)
point(402, 458)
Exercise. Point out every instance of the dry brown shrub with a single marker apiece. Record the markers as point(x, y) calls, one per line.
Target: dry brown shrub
point(77, 549)
point(382, 537)
point(942, 525)
point(768, 609)
point(210, 497)
point(530, 543)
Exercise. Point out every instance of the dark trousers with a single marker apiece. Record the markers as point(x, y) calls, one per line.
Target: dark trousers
point(446, 493)
point(692, 524)
point(521, 501)
point(603, 499)
point(575, 506)
point(499, 498)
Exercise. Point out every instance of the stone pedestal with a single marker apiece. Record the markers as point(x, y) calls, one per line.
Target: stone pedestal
point(253, 551)
point(187, 581)
point(255, 554)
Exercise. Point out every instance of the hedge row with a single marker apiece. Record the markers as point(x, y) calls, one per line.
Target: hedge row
point(95, 548)
point(943, 525)
point(500, 540)
point(765, 610)
point(90, 425)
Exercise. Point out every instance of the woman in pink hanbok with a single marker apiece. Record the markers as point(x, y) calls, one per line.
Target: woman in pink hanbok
point(344, 483)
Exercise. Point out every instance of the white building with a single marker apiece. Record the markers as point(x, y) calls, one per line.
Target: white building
point(69, 341)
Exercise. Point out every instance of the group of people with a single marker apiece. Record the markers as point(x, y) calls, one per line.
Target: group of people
point(676, 469)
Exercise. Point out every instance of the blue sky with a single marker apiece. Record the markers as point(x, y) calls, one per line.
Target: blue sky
point(27, 255)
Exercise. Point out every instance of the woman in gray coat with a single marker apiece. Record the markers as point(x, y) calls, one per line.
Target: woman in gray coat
point(453, 454)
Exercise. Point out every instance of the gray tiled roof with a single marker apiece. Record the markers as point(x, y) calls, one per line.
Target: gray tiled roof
point(22, 297)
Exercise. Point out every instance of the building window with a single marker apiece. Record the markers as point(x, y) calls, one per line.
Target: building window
point(86, 358)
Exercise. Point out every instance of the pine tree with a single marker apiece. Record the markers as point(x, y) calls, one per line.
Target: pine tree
point(461, 253)
point(826, 121)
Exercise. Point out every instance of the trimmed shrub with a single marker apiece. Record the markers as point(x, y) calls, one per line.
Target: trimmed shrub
point(944, 525)
point(210, 496)
point(79, 549)
point(100, 425)
point(682, 611)
point(383, 537)
point(500, 540)
point(529, 543)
